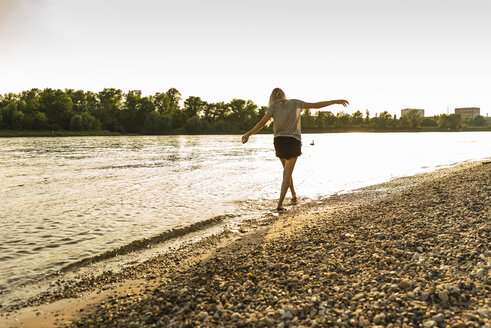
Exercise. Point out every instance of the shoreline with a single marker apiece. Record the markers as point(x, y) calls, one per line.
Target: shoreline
point(229, 253)
point(104, 133)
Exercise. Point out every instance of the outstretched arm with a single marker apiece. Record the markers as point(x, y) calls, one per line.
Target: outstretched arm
point(326, 103)
point(257, 127)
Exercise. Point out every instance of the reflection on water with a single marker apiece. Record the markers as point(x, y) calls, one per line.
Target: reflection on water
point(64, 199)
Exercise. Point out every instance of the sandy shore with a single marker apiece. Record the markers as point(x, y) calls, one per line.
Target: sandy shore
point(412, 252)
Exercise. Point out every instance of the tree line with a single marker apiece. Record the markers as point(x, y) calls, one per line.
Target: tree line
point(131, 113)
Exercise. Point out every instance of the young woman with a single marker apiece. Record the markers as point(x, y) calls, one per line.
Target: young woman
point(287, 133)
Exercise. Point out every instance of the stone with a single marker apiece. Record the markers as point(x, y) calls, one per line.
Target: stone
point(443, 295)
point(286, 315)
point(454, 290)
point(203, 315)
point(438, 318)
point(429, 324)
point(483, 312)
point(404, 284)
point(358, 297)
point(481, 273)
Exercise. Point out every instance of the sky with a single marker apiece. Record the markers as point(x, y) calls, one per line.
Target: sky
point(378, 54)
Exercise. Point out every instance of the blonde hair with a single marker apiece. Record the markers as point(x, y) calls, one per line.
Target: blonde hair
point(277, 95)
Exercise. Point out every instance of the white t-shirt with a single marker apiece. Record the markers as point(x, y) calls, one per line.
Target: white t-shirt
point(286, 118)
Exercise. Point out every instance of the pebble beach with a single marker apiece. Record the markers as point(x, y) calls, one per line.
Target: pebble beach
point(414, 252)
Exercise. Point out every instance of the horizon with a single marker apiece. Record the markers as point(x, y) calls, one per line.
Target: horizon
point(382, 55)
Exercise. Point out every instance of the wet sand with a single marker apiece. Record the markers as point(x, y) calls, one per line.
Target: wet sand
point(411, 252)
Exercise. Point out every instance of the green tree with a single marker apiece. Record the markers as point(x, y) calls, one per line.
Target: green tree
point(357, 118)
point(178, 117)
point(31, 100)
point(57, 106)
point(367, 117)
point(194, 106)
point(89, 122)
point(342, 120)
point(320, 120)
point(76, 123)
point(251, 112)
point(129, 115)
point(307, 120)
point(455, 121)
point(109, 106)
point(219, 111)
point(479, 121)
point(91, 102)
point(429, 122)
point(158, 123)
point(413, 118)
point(39, 121)
point(330, 119)
point(211, 112)
point(18, 120)
point(161, 102)
point(132, 100)
point(78, 98)
point(451, 121)
point(174, 99)
point(111, 99)
point(384, 120)
point(8, 111)
point(194, 125)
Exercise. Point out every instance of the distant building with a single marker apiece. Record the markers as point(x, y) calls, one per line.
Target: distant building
point(404, 112)
point(467, 112)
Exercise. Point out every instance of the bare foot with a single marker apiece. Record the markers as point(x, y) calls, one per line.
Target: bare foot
point(294, 200)
point(280, 209)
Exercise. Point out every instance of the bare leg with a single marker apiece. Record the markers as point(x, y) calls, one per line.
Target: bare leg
point(292, 189)
point(287, 179)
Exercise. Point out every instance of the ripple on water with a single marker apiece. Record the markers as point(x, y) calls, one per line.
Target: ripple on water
point(24, 252)
point(13, 241)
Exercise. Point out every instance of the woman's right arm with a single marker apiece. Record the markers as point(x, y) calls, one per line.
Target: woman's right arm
point(257, 127)
point(326, 103)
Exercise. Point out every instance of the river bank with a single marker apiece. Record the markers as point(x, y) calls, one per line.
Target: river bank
point(181, 131)
point(411, 252)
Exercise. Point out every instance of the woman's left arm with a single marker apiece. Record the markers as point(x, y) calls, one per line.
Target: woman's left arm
point(267, 116)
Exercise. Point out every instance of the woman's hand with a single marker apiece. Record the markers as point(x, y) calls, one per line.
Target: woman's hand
point(245, 137)
point(343, 102)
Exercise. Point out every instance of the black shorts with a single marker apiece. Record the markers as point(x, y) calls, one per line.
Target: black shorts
point(287, 147)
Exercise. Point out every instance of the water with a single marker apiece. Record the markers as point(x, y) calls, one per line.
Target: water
point(65, 199)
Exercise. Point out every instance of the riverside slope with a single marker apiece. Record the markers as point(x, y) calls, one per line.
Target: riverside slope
point(415, 254)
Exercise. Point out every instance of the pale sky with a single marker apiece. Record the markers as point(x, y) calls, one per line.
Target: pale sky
point(378, 54)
